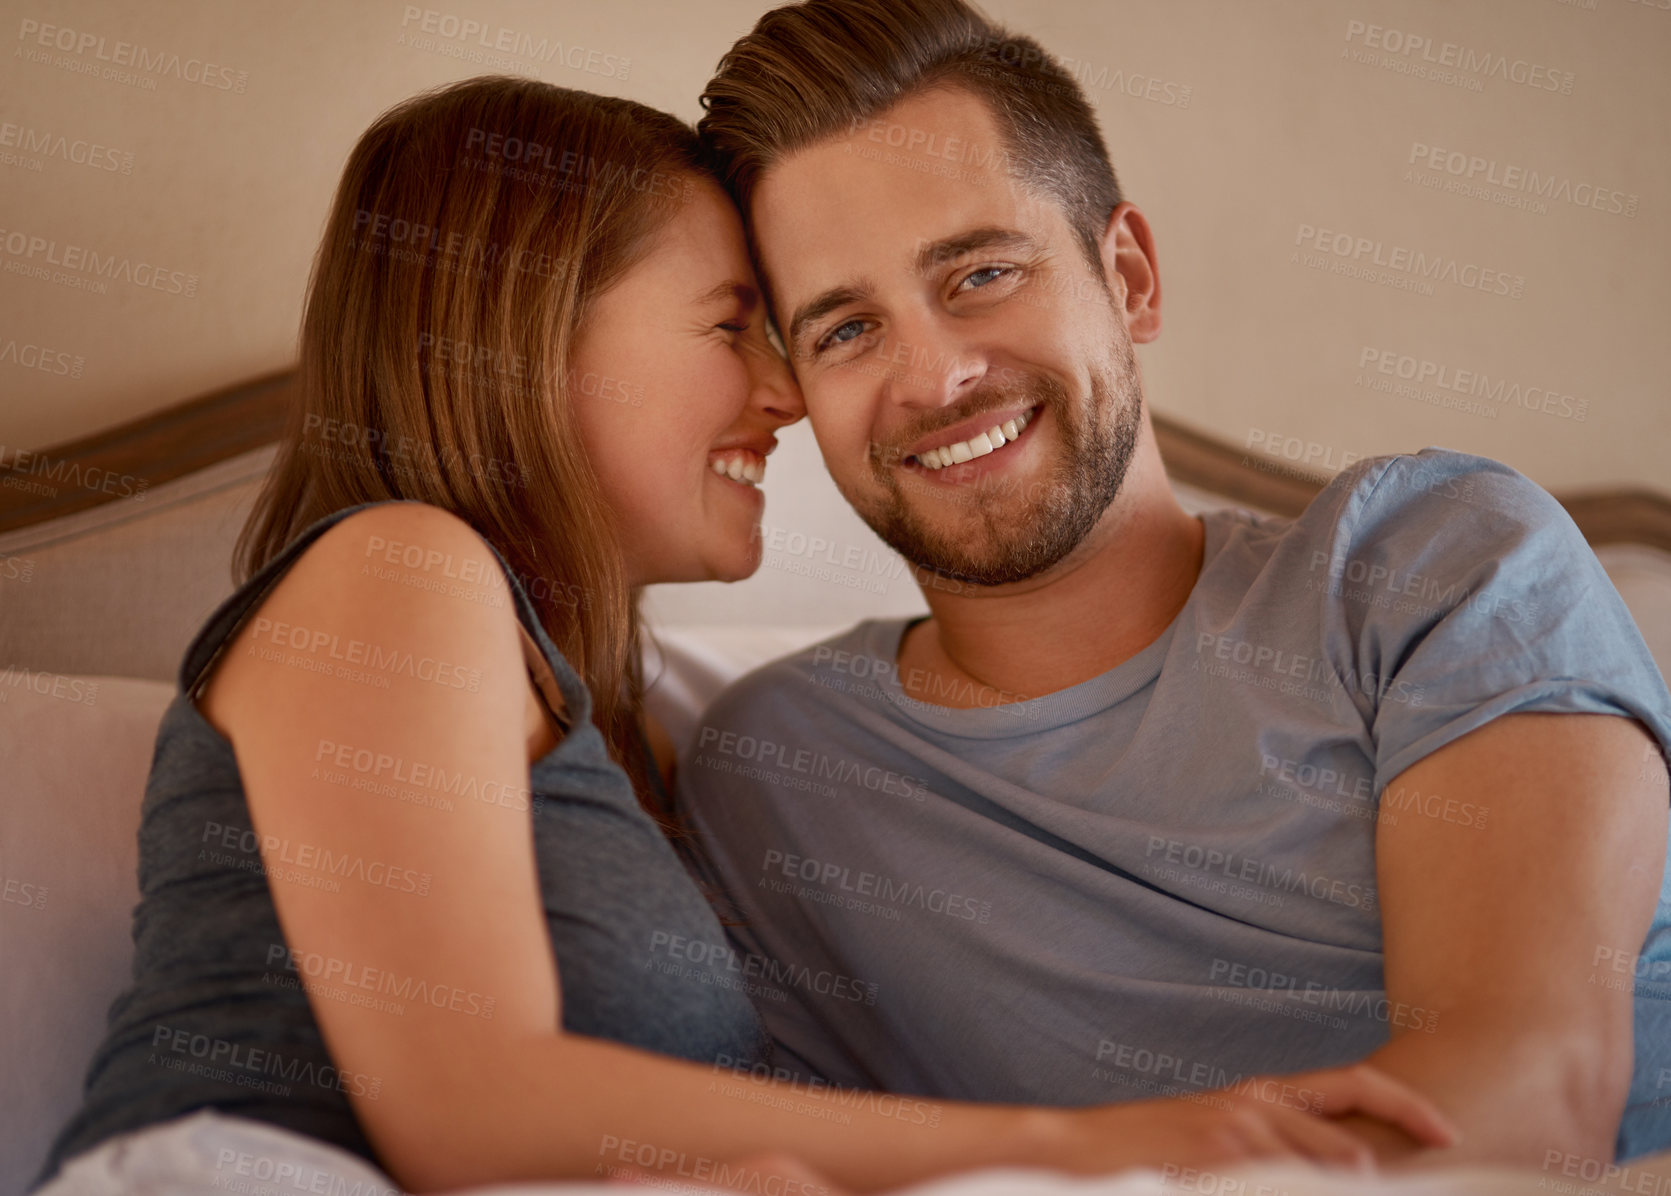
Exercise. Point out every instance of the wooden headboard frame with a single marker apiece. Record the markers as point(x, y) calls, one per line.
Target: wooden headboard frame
point(75, 476)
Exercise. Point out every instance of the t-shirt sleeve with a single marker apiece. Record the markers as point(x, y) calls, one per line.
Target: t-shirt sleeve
point(1470, 591)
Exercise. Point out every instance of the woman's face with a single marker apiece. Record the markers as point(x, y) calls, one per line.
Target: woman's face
point(677, 393)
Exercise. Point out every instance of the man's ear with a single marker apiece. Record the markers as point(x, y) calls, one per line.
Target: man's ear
point(1128, 263)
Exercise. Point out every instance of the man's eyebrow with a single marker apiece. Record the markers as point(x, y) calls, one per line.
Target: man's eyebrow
point(822, 305)
point(745, 294)
point(937, 253)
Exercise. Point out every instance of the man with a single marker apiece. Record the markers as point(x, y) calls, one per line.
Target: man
point(1149, 802)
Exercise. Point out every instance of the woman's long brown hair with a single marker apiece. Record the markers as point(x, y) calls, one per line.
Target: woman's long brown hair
point(474, 228)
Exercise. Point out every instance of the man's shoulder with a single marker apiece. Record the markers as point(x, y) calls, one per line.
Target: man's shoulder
point(1401, 537)
point(1404, 540)
point(1437, 497)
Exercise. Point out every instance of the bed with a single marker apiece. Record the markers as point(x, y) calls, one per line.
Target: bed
point(114, 548)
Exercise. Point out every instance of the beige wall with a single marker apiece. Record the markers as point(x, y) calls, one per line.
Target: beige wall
point(1237, 126)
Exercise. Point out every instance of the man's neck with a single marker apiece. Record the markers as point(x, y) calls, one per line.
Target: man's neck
point(1107, 601)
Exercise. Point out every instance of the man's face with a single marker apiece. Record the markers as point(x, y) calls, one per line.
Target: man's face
point(933, 304)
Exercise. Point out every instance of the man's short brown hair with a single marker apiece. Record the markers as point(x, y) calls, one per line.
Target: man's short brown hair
point(821, 68)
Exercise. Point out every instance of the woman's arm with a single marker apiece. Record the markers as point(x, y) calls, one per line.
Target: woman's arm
point(479, 1083)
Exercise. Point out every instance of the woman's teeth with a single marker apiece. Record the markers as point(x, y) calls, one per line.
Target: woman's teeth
point(980, 445)
point(739, 467)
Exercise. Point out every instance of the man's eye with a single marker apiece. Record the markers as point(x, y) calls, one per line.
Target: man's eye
point(842, 333)
point(734, 326)
point(984, 275)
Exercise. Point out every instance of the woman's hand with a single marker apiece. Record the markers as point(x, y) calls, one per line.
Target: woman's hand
point(1260, 1118)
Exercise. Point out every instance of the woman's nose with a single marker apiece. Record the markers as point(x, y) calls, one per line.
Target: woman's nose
point(773, 389)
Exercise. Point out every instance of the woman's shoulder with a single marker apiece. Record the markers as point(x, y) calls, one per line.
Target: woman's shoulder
point(420, 547)
point(385, 597)
point(395, 569)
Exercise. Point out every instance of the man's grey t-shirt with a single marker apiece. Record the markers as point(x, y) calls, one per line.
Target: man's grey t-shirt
point(1163, 879)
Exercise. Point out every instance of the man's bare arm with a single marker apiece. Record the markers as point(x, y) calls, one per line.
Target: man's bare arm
point(1505, 930)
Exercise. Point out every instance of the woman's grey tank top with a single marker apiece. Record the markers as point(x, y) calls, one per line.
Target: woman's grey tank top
point(216, 1015)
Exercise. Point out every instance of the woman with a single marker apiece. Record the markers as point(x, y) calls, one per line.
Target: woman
point(535, 378)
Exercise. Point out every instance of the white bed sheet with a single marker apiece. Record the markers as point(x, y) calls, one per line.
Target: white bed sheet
point(212, 1154)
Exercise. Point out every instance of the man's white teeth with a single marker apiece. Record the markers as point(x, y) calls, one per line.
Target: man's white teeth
point(739, 467)
point(995, 437)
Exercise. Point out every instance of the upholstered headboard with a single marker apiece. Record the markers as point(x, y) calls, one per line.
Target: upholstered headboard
point(114, 548)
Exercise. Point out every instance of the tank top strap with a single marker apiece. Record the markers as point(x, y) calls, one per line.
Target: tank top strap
point(224, 623)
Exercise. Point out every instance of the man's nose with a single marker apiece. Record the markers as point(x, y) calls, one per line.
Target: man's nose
point(926, 364)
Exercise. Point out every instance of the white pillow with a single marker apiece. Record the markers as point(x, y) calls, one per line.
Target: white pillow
point(686, 667)
point(75, 752)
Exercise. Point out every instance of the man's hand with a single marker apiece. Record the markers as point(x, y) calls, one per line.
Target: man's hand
point(1273, 1117)
point(1268, 1117)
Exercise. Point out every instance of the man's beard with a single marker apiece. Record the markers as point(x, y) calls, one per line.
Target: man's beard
point(1020, 530)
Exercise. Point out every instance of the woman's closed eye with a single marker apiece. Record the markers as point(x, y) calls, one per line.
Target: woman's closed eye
point(748, 337)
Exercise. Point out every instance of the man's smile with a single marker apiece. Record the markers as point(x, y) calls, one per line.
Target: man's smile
point(986, 441)
point(974, 438)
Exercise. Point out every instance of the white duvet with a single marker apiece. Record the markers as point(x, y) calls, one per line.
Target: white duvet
point(1649, 1177)
point(210, 1154)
